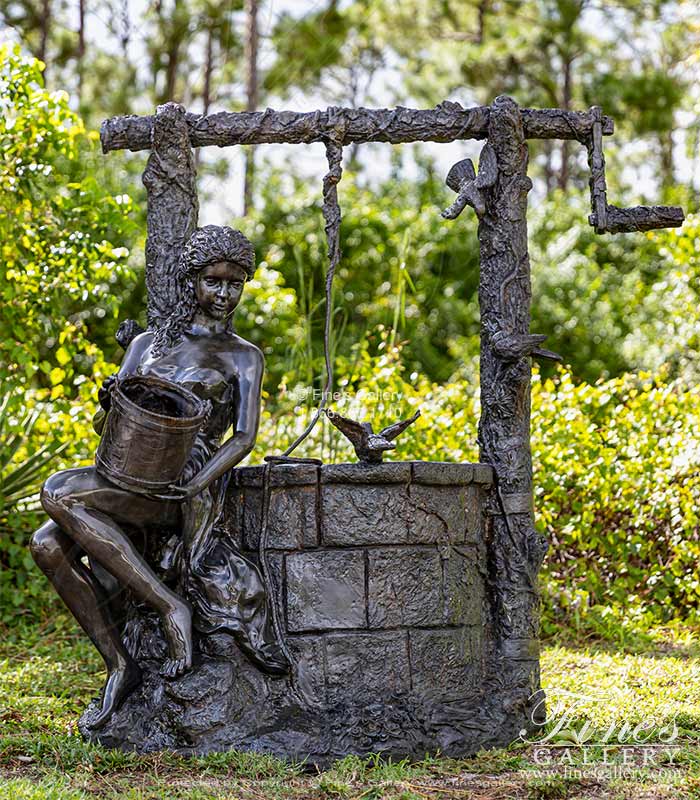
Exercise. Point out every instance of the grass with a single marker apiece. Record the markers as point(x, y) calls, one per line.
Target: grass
point(49, 672)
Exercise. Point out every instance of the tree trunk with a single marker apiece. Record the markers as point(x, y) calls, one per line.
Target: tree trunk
point(81, 47)
point(171, 71)
point(251, 60)
point(504, 426)
point(125, 33)
point(175, 34)
point(666, 159)
point(563, 181)
point(549, 180)
point(170, 181)
point(482, 8)
point(208, 69)
point(44, 36)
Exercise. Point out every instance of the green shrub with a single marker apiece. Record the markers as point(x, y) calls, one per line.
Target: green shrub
point(63, 273)
point(615, 462)
point(617, 495)
point(615, 304)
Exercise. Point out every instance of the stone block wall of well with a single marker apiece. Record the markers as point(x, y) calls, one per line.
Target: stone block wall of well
point(378, 574)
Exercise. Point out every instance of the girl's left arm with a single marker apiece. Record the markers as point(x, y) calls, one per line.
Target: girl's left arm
point(251, 367)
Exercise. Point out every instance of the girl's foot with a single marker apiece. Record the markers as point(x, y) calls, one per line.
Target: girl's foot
point(121, 682)
point(177, 624)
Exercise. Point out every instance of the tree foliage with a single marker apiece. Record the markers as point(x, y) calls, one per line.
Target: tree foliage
point(551, 53)
point(402, 266)
point(608, 304)
point(615, 465)
point(63, 271)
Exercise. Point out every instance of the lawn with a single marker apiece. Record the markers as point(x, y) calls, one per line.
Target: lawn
point(49, 672)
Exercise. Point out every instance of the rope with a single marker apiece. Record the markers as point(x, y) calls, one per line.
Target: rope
point(331, 215)
point(265, 566)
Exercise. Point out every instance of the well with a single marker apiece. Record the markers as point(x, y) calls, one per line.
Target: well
point(381, 580)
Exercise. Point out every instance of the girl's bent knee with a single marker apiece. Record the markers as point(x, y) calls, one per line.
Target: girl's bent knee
point(52, 493)
point(60, 488)
point(45, 548)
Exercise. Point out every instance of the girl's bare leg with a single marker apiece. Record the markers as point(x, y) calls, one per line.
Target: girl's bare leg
point(59, 558)
point(85, 507)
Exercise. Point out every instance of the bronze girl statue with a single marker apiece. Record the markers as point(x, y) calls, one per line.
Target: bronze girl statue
point(214, 587)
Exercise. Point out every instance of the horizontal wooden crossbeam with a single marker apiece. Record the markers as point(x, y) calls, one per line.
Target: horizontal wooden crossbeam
point(447, 122)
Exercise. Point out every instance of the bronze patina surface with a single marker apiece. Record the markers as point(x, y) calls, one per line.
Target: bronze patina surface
point(149, 433)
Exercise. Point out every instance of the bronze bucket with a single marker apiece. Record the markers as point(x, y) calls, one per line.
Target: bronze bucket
point(149, 433)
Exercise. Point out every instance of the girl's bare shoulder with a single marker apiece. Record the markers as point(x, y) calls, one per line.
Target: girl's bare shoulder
point(246, 351)
point(135, 352)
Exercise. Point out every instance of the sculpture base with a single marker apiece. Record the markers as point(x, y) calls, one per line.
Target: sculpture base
point(225, 703)
point(380, 580)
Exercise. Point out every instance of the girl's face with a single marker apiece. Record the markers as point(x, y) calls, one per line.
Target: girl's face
point(218, 288)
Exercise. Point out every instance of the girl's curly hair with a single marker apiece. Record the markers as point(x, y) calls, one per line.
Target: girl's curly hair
point(207, 245)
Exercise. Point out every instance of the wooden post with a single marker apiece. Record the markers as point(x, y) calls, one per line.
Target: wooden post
point(251, 61)
point(504, 428)
point(170, 181)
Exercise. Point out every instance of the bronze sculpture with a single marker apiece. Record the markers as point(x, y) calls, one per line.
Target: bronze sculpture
point(370, 446)
point(90, 515)
point(405, 594)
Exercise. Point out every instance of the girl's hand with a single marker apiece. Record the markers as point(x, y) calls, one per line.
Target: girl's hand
point(179, 494)
point(104, 392)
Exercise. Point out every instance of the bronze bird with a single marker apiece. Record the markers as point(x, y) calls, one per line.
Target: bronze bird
point(512, 346)
point(369, 446)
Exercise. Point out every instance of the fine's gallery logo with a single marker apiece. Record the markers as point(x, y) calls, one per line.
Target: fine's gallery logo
point(392, 404)
point(583, 731)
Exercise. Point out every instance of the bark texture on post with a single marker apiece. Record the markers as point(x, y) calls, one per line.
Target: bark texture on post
point(170, 181)
point(504, 427)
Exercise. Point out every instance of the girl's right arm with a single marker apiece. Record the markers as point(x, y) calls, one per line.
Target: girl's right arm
point(130, 362)
point(134, 354)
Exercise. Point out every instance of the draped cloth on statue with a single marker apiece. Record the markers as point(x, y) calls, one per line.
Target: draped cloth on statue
point(225, 589)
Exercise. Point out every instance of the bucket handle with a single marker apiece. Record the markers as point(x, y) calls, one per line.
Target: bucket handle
point(104, 393)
